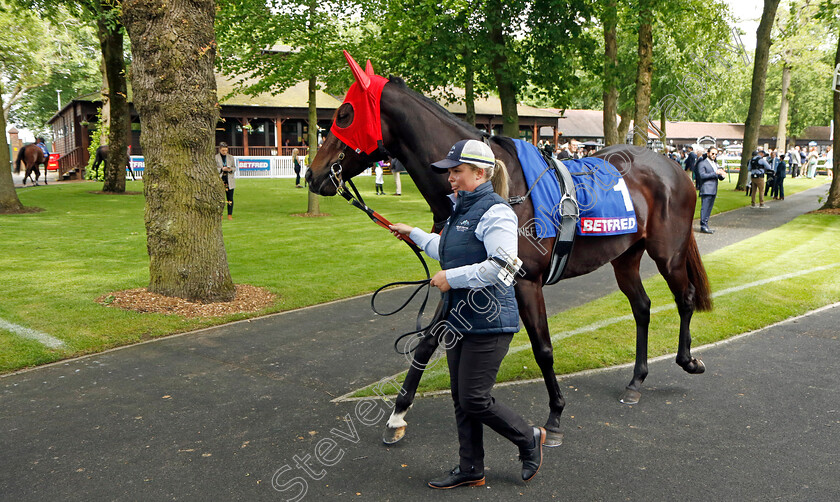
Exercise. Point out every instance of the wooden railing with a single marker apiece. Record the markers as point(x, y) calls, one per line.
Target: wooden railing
point(73, 159)
point(267, 151)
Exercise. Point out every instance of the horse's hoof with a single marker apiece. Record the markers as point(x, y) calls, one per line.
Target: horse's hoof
point(630, 396)
point(553, 439)
point(699, 367)
point(695, 367)
point(391, 435)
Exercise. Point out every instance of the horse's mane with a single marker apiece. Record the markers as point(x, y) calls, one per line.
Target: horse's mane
point(434, 106)
point(503, 141)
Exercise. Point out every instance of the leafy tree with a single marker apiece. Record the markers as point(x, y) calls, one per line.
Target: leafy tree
point(609, 19)
point(9, 201)
point(71, 54)
point(104, 15)
point(433, 45)
point(795, 32)
point(759, 78)
point(173, 50)
point(830, 14)
point(644, 72)
point(688, 42)
point(111, 38)
point(250, 35)
point(21, 46)
point(522, 50)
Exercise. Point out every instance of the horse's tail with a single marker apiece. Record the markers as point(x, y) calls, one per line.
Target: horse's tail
point(697, 276)
point(19, 159)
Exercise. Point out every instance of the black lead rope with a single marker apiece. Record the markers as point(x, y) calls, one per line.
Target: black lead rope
point(359, 203)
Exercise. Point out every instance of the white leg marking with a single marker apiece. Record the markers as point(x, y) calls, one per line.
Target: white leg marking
point(396, 420)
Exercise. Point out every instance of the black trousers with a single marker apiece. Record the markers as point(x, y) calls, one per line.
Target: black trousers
point(779, 188)
point(474, 362)
point(229, 197)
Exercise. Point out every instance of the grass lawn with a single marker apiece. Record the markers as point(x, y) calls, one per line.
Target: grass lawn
point(728, 199)
point(56, 262)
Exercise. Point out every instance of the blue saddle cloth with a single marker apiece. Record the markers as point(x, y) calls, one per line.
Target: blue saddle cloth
point(602, 196)
point(43, 148)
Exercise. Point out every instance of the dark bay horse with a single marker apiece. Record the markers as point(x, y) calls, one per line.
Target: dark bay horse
point(32, 157)
point(102, 157)
point(418, 131)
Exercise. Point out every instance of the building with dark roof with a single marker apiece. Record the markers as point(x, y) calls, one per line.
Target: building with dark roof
point(264, 124)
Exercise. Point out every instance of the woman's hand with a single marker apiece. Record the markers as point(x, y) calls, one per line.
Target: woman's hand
point(400, 228)
point(439, 281)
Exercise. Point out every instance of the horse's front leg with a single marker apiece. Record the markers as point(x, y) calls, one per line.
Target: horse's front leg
point(395, 428)
point(529, 296)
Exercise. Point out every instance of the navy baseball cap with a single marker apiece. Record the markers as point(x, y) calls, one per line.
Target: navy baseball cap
point(466, 151)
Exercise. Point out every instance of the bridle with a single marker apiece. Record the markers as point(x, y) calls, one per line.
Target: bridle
point(355, 199)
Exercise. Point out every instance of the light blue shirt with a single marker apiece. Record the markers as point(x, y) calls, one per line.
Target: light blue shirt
point(497, 229)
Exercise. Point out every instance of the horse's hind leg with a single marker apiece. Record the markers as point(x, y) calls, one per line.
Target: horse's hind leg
point(529, 295)
point(626, 268)
point(675, 272)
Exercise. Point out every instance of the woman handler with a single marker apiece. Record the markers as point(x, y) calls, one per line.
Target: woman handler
point(477, 243)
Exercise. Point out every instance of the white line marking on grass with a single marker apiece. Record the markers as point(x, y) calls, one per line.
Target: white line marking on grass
point(613, 320)
point(23, 331)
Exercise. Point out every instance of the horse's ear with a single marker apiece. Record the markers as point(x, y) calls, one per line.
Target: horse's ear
point(369, 68)
point(361, 77)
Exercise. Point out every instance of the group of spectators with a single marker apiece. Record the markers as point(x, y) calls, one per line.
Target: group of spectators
point(572, 149)
point(767, 173)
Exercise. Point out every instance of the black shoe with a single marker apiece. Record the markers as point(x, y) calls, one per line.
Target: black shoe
point(457, 478)
point(532, 457)
point(706, 231)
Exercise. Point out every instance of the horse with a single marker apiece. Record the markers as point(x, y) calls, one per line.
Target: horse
point(102, 156)
point(31, 156)
point(418, 131)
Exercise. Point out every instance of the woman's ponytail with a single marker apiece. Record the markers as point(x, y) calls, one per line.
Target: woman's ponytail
point(500, 179)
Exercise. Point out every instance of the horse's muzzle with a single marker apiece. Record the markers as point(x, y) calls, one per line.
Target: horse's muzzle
point(321, 185)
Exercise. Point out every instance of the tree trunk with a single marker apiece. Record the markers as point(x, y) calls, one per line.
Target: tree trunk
point(663, 137)
point(469, 89)
point(781, 133)
point(313, 206)
point(105, 111)
point(111, 40)
point(759, 79)
point(643, 73)
point(173, 48)
point(9, 202)
point(833, 200)
point(501, 73)
point(624, 125)
point(610, 21)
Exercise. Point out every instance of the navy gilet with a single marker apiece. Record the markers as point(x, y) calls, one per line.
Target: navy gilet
point(491, 309)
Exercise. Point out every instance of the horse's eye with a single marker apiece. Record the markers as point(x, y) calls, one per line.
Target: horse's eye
point(344, 116)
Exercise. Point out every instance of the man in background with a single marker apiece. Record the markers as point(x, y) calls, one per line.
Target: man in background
point(708, 176)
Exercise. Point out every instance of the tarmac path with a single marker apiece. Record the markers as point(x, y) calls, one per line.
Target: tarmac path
point(218, 413)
